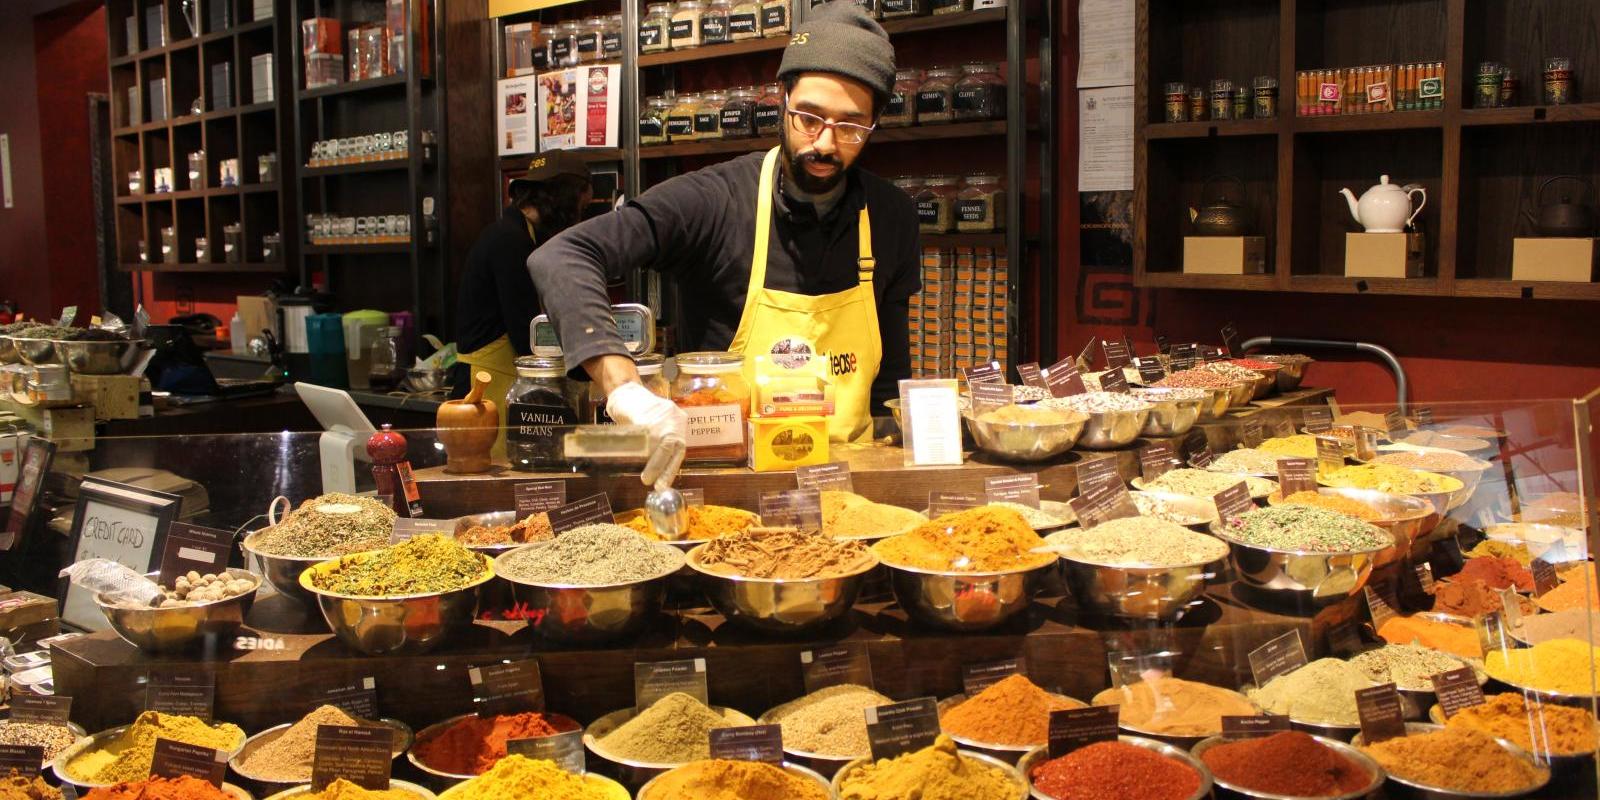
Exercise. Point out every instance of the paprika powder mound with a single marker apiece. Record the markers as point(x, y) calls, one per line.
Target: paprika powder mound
point(1498, 573)
point(1115, 771)
point(1012, 711)
point(472, 745)
point(180, 788)
point(1291, 763)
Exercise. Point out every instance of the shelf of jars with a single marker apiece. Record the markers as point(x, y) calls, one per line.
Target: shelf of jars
point(761, 41)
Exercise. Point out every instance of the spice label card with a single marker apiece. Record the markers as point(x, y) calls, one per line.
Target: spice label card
point(693, 497)
point(823, 477)
point(1116, 354)
point(1233, 501)
point(358, 699)
point(798, 508)
point(532, 497)
point(941, 503)
point(1396, 423)
point(1511, 605)
point(1330, 455)
point(1544, 576)
point(1102, 503)
point(1283, 428)
point(26, 759)
point(1150, 369)
point(1424, 574)
point(1023, 489)
point(1492, 634)
point(1163, 345)
point(566, 749)
point(1423, 415)
point(1457, 689)
point(1251, 434)
point(902, 727)
point(40, 709)
point(507, 688)
point(1254, 727)
point(987, 397)
point(1081, 727)
point(748, 743)
point(1447, 557)
point(1183, 357)
point(1380, 603)
point(847, 663)
point(977, 677)
point(1381, 715)
point(1319, 419)
point(1296, 475)
point(588, 511)
point(360, 755)
point(654, 680)
point(406, 528)
point(991, 372)
point(191, 548)
point(1082, 362)
point(1366, 443)
point(931, 425)
point(1032, 375)
point(1199, 449)
point(1094, 472)
point(1230, 340)
point(1279, 656)
point(1154, 461)
point(190, 694)
point(175, 759)
point(1114, 382)
point(1063, 380)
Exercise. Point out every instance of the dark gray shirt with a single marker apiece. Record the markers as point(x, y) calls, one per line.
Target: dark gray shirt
point(700, 228)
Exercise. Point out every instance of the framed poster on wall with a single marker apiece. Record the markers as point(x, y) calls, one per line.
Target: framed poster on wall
point(119, 522)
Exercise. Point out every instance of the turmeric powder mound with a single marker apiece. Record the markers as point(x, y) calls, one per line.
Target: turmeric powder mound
point(721, 779)
point(936, 772)
point(700, 522)
point(983, 539)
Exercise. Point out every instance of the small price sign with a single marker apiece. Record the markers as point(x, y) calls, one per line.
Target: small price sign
point(1075, 728)
point(1254, 727)
point(655, 680)
point(977, 677)
point(1116, 354)
point(1296, 475)
point(941, 503)
point(1457, 689)
point(902, 727)
point(1156, 460)
point(1023, 489)
point(1032, 375)
point(595, 508)
point(826, 476)
point(844, 663)
point(1382, 717)
point(507, 688)
point(1278, 656)
point(1063, 379)
point(1097, 471)
point(531, 497)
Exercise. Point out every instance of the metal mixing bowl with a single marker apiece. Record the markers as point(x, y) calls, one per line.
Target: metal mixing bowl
point(1009, 753)
point(1169, 416)
point(1291, 371)
point(1403, 516)
point(561, 722)
point(425, 379)
point(34, 352)
point(100, 741)
point(1011, 773)
point(1422, 790)
point(1470, 478)
point(8, 350)
point(772, 605)
point(406, 786)
point(1374, 772)
point(1039, 755)
point(590, 614)
point(99, 358)
point(1242, 392)
point(174, 628)
point(402, 741)
point(399, 625)
point(627, 772)
point(1108, 430)
point(796, 770)
point(1025, 442)
point(283, 572)
point(1559, 762)
point(1193, 512)
point(1162, 593)
point(1298, 575)
point(965, 601)
point(1218, 404)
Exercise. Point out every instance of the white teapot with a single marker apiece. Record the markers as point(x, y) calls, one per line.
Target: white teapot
point(1386, 207)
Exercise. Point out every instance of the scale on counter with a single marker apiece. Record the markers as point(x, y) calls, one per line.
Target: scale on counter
point(636, 323)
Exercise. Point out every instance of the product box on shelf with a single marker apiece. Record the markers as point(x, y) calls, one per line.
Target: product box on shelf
point(1563, 259)
point(158, 100)
point(580, 107)
point(221, 85)
point(1224, 255)
point(1383, 255)
point(155, 26)
point(263, 86)
point(261, 9)
point(519, 40)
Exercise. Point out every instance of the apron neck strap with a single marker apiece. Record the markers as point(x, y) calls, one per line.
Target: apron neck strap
point(865, 263)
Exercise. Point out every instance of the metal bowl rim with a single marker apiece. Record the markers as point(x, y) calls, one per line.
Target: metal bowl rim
point(690, 560)
point(1345, 749)
point(595, 586)
point(1295, 552)
point(234, 763)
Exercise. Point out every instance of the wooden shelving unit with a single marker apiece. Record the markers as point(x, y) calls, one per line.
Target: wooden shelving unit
point(162, 47)
point(1480, 167)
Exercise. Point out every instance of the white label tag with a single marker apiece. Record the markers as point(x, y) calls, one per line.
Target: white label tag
point(711, 426)
point(935, 423)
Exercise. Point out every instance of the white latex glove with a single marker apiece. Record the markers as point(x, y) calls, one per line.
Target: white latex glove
point(632, 404)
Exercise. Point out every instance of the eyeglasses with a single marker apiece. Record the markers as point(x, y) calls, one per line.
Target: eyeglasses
point(845, 132)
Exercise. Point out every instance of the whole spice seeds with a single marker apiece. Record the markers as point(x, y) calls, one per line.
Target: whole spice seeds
point(1138, 542)
point(1178, 393)
point(784, 554)
point(1323, 691)
point(1408, 666)
point(426, 564)
point(1198, 378)
point(1115, 770)
point(1232, 372)
point(1306, 528)
point(1289, 763)
point(1460, 760)
point(195, 589)
point(829, 721)
point(330, 525)
point(1012, 711)
point(592, 555)
point(1098, 403)
point(53, 738)
point(673, 730)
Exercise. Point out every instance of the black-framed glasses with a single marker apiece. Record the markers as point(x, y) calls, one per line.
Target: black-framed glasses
point(845, 132)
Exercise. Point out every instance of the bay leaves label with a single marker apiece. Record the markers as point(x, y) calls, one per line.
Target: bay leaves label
point(594, 509)
point(358, 754)
point(1382, 717)
point(1254, 727)
point(1022, 489)
point(1074, 728)
point(748, 743)
point(902, 727)
point(507, 688)
point(565, 749)
point(977, 677)
point(175, 759)
point(1457, 689)
point(1279, 656)
point(655, 680)
point(844, 663)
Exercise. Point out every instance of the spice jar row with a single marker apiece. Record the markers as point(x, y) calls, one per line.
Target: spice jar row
point(1256, 99)
point(949, 203)
point(1369, 90)
point(972, 92)
point(893, 9)
point(1498, 86)
point(592, 40)
point(739, 113)
point(691, 23)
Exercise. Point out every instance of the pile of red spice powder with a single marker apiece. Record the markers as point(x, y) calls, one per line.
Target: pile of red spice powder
point(1115, 771)
point(1498, 573)
point(1289, 763)
point(473, 745)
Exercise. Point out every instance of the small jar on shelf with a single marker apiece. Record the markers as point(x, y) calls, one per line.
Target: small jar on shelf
point(910, 184)
point(980, 94)
point(708, 115)
point(680, 118)
point(744, 20)
point(981, 205)
point(714, 22)
point(564, 45)
point(738, 113)
point(684, 32)
point(895, 9)
point(540, 404)
point(587, 40)
point(769, 111)
point(776, 17)
point(539, 51)
point(653, 121)
point(710, 388)
point(936, 203)
point(901, 109)
point(232, 243)
point(653, 28)
point(1177, 102)
point(936, 96)
point(611, 39)
point(949, 6)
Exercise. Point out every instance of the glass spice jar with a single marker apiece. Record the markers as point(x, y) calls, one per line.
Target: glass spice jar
point(901, 108)
point(1266, 97)
point(653, 121)
point(775, 17)
point(708, 115)
point(936, 203)
point(684, 32)
point(541, 403)
point(980, 94)
point(540, 51)
point(1198, 106)
point(1510, 86)
point(894, 9)
point(587, 41)
point(1241, 103)
point(739, 114)
point(710, 388)
point(680, 119)
point(1177, 102)
point(769, 111)
point(1486, 90)
point(564, 45)
point(981, 205)
point(714, 22)
point(1557, 81)
point(611, 39)
point(936, 95)
point(1222, 99)
point(910, 184)
point(744, 20)
point(949, 6)
point(653, 28)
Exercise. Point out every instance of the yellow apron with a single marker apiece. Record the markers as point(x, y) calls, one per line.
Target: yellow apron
point(843, 326)
point(497, 358)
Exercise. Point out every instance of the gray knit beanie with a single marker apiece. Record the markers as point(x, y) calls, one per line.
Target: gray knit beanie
point(840, 38)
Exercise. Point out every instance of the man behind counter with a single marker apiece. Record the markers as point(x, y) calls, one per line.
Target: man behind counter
point(793, 250)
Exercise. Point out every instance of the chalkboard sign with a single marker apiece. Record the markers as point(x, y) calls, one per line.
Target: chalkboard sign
point(119, 522)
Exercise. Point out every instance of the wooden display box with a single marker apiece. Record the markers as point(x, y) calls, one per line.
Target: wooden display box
point(1224, 255)
point(72, 429)
point(112, 396)
point(1567, 260)
point(1383, 255)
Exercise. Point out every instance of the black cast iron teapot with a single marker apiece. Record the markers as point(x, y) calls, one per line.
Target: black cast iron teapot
point(1565, 217)
point(1220, 217)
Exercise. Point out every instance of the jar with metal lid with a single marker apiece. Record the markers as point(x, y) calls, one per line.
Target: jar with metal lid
point(936, 203)
point(542, 403)
point(936, 95)
point(893, 9)
point(587, 40)
point(708, 115)
point(649, 366)
point(980, 94)
point(684, 31)
point(653, 121)
point(710, 388)
point(564, 45)
point(739, 114)
point(714, 22)
point(653, 28)
point(901, 108)
point(910, 184)
point(384, 367)
point(981, 205)
point(611, 38)
point(680, 118)
point(540, 50)
point(769, 111)
point(949, 6)
point(775, 17)
point(744, 20)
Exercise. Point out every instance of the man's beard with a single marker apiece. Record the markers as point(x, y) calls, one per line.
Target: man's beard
point(795, 166)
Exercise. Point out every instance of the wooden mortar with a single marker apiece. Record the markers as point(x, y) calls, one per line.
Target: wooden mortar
point(468, 428)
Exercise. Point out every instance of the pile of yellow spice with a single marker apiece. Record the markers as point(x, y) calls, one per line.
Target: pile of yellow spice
point(519, 776)
point(978, 540)
point(1559, 730)
point(936, 772)
point(128, 756)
